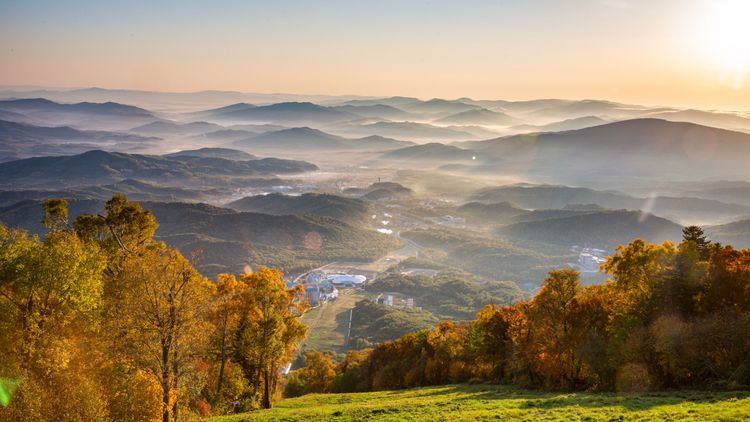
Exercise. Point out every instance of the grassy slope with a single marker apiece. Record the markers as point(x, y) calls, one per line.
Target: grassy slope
point(330, 322)
point(490, 402)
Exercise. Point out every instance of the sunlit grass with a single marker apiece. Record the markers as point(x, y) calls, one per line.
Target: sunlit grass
point(487, 402)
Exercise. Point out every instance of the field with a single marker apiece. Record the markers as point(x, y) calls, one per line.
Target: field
point(329, 323)
point(489, 402)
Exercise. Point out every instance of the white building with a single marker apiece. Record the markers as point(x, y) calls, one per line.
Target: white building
point(388, 301)
point(589, 262)
point(346, 280)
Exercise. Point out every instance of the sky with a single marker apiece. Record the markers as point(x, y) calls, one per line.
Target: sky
point(691, 53)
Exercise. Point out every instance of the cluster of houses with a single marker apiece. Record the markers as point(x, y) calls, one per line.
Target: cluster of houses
point(320, 287)
point(589, 260)
point(406, 303)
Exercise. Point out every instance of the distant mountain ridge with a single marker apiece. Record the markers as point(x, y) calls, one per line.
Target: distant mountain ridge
point(306, 138)
point(136, 190)
point(285, 112)
point(602, 229)
point(104, 167)
point(557, 197)
point(479, 117)
point(230, 154)
point(643, 147)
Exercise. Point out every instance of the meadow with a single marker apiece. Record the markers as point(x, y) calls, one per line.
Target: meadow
point(494, 402)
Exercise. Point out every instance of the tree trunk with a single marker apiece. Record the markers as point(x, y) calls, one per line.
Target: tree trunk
point(165, 381)
point(267, 392)
point(176, 374)
point(223, 359)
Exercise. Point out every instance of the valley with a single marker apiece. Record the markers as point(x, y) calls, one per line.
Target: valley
point(439, 210)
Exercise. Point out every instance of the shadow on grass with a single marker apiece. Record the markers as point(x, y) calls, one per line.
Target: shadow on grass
point(550, 400)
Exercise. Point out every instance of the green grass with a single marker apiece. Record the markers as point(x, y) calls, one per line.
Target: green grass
point(330, 322)
point(490, 402)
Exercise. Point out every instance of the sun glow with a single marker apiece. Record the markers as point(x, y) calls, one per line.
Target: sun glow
point(727, 39)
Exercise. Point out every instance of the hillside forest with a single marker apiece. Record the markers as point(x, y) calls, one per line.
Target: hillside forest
point(670, 317)
point(102, 321)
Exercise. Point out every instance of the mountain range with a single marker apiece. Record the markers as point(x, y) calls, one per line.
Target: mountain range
point(232, 241)
point(305, 138)
point(100, 166)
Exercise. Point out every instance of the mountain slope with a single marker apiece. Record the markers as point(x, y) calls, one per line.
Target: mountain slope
point(479, 117)
point(101, 166)
point(285, 112)
point(172, 128)
point(136, 190)
point(351, 210)
point(569, 124)
point(489, 213)
point(692, 210)
point(233, 241)
point(643, 147)
point(604, 229)
point(736, 234)
point(429, 152)
point(377, 110)
point(230, 154)
point(298, 137)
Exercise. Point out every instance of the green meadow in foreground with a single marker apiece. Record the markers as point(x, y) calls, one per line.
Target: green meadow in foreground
point(492, 402)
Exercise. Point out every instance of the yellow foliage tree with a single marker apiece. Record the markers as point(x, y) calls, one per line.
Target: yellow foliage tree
point(156, 317)
point(270, 328)
point(319, 373)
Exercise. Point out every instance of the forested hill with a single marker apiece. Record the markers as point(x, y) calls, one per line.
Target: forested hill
point(558, 196)
point(604, 229)
point(736, 234)
point(231, 240)
point(376, 323)
point(452, 293)
point(135, 190)
point(351, 210)
point(108, 167)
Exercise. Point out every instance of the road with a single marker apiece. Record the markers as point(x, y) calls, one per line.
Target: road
point(316, 269)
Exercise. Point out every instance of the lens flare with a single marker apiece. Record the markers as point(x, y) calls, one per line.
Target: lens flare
point(313, 241)
point(6, 389)
point(647, 207)
point(726, 38)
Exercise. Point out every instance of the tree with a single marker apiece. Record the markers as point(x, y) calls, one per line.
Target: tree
point(122, 229)
point(225, 312)
point(696, 234)
point(156, 317)
point(635, 269)
point(728, 284)
point(318, 374)
point(491, 338)
point(554, 328)
point(50, 297)
point(47, 285)
point(270, 328)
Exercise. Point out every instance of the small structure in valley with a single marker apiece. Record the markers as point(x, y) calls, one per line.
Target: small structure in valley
point(346, 280)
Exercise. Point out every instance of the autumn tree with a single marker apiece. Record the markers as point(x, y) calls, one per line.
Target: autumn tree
point(491, 338)
point(318, 373)
point(269, 329)
point(225, 312)
point(156, 317)
point(120, 230)
point(50, 297)
point(727, 287)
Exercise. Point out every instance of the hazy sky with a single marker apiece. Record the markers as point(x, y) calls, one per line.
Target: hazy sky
point(677, 52)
